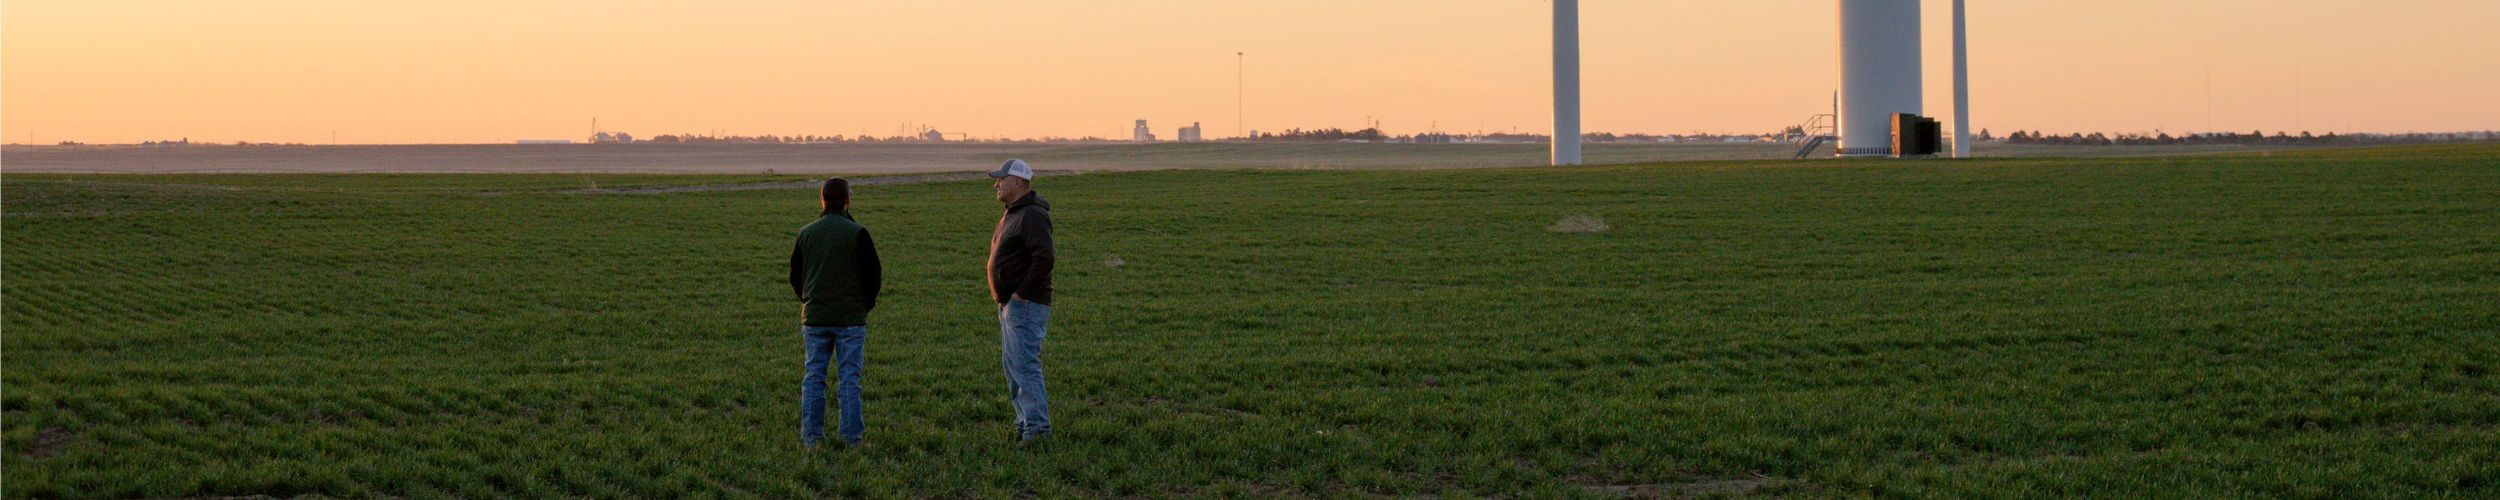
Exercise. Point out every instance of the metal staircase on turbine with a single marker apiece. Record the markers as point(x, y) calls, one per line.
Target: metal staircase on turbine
point(1818, 129)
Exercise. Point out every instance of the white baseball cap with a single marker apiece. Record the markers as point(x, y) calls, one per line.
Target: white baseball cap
point(1015, 168)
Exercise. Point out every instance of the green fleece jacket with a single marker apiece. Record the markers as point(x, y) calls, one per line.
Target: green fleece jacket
point(834, 271)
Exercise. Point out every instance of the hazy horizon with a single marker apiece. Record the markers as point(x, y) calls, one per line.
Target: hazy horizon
point(488, 72)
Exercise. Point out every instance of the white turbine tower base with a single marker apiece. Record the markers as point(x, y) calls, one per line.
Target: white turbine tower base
point(1566, 140)
point(1879, 72)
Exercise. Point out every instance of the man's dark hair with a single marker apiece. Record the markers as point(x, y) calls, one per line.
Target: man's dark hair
point(837, 192)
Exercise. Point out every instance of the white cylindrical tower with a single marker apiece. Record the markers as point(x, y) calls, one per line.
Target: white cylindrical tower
point(1566, 140)
point(1879, 72)
point(1961, 86)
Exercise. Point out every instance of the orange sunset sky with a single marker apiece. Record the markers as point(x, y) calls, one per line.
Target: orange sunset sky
point(456, 71)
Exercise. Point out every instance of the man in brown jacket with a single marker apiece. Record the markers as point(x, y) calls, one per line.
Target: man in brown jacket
point(1019, 274)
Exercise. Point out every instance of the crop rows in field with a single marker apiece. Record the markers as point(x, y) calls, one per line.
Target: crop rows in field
point(2312, 324)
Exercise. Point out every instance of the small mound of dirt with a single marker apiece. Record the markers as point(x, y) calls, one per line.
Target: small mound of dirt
point(48, 443)
point(1579, 224)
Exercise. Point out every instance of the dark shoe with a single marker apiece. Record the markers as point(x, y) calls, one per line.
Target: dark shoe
point(1031, 440)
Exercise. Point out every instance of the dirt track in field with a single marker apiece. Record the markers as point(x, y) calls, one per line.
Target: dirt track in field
point(891, 180)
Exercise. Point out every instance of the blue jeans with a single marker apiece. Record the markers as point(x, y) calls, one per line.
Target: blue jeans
point(825, 344)
point(1020, 332)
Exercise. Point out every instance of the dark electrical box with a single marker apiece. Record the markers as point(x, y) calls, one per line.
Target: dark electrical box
point(1914, 135)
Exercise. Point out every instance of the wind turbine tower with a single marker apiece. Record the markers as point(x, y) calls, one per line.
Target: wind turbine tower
point(1566, 140)
point(1961, 86)
point(1879, 72)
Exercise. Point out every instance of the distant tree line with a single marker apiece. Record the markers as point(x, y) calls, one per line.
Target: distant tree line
point(1375, 135)
point(757, 139)
point(854, 139)
point(1331, 134)
point(2257, 137)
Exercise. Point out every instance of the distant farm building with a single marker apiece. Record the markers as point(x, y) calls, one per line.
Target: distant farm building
point(933, 135)
point(1141, 133)
point(611, 138)
point(1191, 133)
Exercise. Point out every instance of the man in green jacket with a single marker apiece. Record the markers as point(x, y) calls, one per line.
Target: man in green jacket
point(834, 272)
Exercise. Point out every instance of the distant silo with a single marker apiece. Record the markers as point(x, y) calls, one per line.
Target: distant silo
point(1879, 72)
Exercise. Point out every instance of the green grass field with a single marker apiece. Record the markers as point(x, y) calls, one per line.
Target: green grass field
point(2307, 324)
